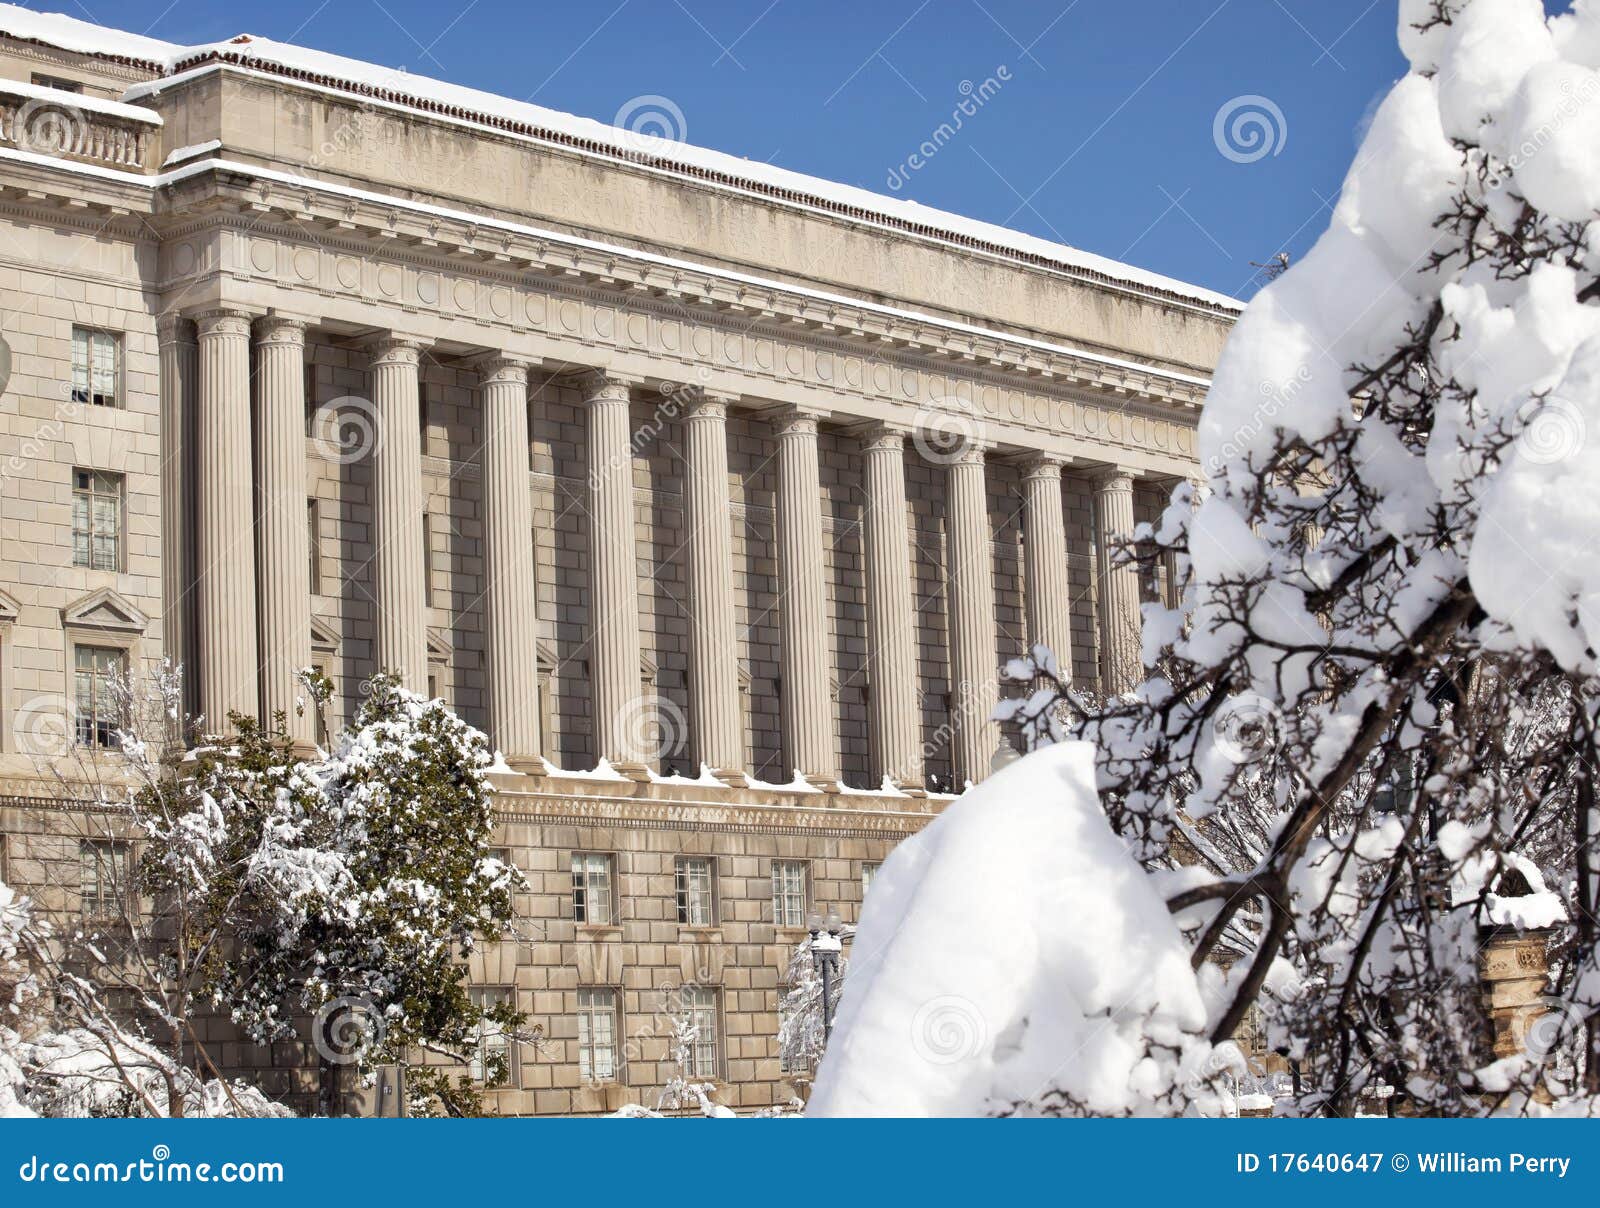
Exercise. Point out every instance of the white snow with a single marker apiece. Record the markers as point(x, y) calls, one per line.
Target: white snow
point(1528, 349)
point(1010, 950)
point(60, 30)
point(78, 100)
point(180, 154)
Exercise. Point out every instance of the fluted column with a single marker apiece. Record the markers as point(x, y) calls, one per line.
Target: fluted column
point(1045, 583)
point(1120, 664)
point(714, 717)
point(807, 702)
point(509, 607)
point(974, 661)
point(621, 727)
point(282, 545)
point(180, 371)
point(400, 597)
point(226, 575)
point(895, 719)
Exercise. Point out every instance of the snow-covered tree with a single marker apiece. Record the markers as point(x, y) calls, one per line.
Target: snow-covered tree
point(243, 878)
point(1378, 697)
point(1367, 733)
point(802, 1031)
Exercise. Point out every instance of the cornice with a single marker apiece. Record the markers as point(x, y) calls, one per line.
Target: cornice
point(508, 252)
point(218, 60)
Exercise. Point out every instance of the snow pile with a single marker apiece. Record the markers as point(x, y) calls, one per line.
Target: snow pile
point(1013, 956)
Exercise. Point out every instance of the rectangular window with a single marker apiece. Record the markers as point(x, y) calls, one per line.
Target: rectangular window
point(591, 889)
point(314, 546)
point(789, 893)
point(868, 871)
point(494, 1062)
point(427, 559)
point(99, 676)
point(103, 877)
point(96, 367)
point(700, 1007)
point(696, 892)
point(96, 520)
point(40, 80)
point(311, 394)
point(597, 1035)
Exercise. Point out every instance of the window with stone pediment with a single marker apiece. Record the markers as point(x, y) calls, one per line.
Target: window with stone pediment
point(99, 674)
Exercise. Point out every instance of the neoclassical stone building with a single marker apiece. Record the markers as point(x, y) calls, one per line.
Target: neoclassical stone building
point(715, 494)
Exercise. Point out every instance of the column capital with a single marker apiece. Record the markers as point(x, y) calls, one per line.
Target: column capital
point(1112, 477)
point(707, 406)
point(889, 435)
point(796, 420)
point(1043, 465)
point(503, 367)
point(968, 452)
point(602, 385)
point(395, 348)
point(222, 321)
point(174, 328)
point(278, 328)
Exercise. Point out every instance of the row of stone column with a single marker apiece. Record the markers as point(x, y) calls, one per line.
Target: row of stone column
point(234, 562)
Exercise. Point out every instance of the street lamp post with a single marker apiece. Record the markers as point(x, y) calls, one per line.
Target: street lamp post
point(825, 949)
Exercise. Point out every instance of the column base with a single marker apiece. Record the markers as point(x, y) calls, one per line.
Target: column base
point(731, 777)
point(637, 772)
point(911, 788)
point(526, 765)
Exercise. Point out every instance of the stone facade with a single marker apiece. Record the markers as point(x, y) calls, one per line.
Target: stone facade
point(622, 454)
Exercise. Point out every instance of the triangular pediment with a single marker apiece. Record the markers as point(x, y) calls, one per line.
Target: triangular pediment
point(106, 611)
point(324, 638)
point(439, 648)
point(10, 607)
point(548, 659)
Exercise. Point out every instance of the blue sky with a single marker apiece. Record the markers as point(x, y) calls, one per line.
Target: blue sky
point(1102, 137)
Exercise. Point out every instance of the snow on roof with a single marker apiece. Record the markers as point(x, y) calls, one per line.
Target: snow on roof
point(38, 92)
point(166, 59)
